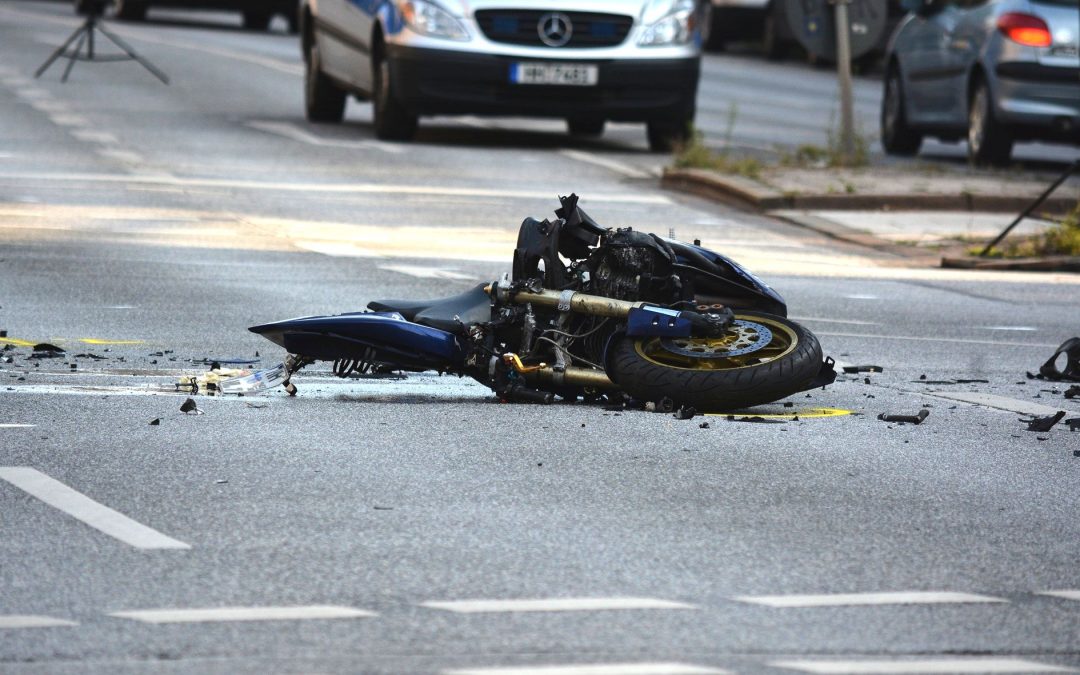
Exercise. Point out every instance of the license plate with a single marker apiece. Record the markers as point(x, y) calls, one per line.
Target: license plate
point(564, 74)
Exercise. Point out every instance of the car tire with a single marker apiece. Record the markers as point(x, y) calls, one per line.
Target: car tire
point(324, 101)
point(896, 136)
point(392, 121)
point(772, 43)
point(989, 141)
point(129, 10)
point(586, 126)
point(257, 19)
point(666, 136)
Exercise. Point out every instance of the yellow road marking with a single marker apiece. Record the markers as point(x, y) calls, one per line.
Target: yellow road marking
point(97, 341)
point(802, 413)
point(16, 343)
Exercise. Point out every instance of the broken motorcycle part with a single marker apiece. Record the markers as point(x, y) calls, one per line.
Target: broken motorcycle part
point(910, 419)
point(864, 369)
point(1041, 424)
point(1071, 350)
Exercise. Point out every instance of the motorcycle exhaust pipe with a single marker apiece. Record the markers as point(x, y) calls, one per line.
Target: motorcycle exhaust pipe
point(581, 303)
point(570, 376)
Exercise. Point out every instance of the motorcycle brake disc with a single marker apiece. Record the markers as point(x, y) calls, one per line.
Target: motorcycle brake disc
point(748, 337)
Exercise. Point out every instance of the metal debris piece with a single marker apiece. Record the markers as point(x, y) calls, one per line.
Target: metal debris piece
point(686, 412)
point(863, 369)
point(754, 420)
point(1073, 392)
point(190, 407)
point(703, 425)
point(1071, 349)
point(90, 356)
point(44, 350)
point(1041, 424)
point(911, 419)
point(1074, 423)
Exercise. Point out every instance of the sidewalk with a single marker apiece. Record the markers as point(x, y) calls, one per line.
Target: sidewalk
point(912, 212)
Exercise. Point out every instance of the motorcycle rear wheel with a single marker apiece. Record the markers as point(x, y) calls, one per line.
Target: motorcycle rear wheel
point(762, 358)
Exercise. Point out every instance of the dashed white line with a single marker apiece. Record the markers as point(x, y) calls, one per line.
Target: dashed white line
point(79, 506)
point(610, 164)
point(69, 120)
point(1067, 595)
point(851, 322)
point(959, 665)
point(594, 669)
point(31, 621)
point(1000, 402)
point(919, 338)
point(861, 296)
point(48, 105)
point(94, 136)
point(1011, 328)
point(294, 133)
point(16, 426)
point(554, 605)
point(125, 156)
point(224, 614)
point(427, 272)
point(855, 599)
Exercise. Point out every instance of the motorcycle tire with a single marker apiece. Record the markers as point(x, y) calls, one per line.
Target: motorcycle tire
point(762, 358)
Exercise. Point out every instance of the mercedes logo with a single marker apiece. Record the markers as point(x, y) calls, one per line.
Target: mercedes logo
point(555, 29)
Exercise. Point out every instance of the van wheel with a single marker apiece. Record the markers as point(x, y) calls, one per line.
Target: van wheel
point(585, 126)
point(665, 136)
point(324, 101)
point(392, 121)
point(896, 136)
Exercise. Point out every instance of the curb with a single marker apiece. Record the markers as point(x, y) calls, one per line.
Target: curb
point(748, 193)
point(1058, 263)
point(847, 234)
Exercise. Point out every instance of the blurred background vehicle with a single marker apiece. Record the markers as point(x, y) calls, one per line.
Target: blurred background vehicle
point(257, 13)
point(991, 71)
point(587, 61)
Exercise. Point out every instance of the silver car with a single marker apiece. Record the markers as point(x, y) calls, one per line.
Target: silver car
point(993, 71)
point(587, 61)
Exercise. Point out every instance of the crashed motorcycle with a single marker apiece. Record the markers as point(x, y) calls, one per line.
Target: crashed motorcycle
point(588, 312)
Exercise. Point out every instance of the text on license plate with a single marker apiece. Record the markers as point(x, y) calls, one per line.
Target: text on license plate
point(554, 73)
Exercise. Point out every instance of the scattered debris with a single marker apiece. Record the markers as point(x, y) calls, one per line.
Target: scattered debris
point(705, 425)
point(1071, 349)
point(44, 350)
point(973, 381)
point(156, 422)
point(686, 412)
point(1073, 391)
point(866, 380)
point(754, 420)
point(384, 508)
point(911, 419)
point(217, 363)
point(1074, 423)
point(863, 369)
point(90, 356)
point(1041, 424)
point(190, 407)
point(222, 481)
point(257, 405)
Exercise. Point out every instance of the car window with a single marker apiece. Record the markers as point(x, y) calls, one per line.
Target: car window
point(1062, 3)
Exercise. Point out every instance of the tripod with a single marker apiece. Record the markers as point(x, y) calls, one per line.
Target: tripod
point(84, 35)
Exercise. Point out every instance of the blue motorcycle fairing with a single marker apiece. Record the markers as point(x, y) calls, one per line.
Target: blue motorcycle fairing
point(756, 294)
point(657, 322)
point(342, 336)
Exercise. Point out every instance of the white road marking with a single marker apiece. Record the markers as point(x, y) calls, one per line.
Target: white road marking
point(28, 621)
point(554, 605)
point(49, 105)
point(594, 669)
point(17, 426)
point(94, 136)
point(220, 614)
point(1000, 402)
point(850, 322)
point(79, 506)
point(968, 665)
point(610, 164)
point(1067, 595)
point(295, 133)
point(339, 188)
point(860, 296)
point(919, 338)
point(856, 599)
point(1016, 328)
point(69, 120)
point(427, 272)
point(32, 93)
point(125, 156)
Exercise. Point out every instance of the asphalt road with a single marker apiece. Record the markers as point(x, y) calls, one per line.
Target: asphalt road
point(150, 225)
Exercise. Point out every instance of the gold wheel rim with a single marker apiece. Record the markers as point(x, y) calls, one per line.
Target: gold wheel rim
point(783, 342)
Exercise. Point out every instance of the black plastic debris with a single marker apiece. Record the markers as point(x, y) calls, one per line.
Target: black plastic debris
point(1074, 423)
point(90, 356)
point(1042, 424)
point(224, 362)
point(1073, 392)
point(190, 406)
point(44, 350)
point(910, 419)
point(1071, 349)
point(755, 419)
point(155, 422)
point(703, 425)
point(973, 381)
point(789, 404)
point(863, 369)
point(686, 412)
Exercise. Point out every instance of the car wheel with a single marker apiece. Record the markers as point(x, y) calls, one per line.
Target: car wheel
point(392, 121)
point(586, 126)
point(257, 19)
point(896, 136)
point(129, 10)
point(324, 101)
point(989, 141)
point(665, 136)
point(774, 46)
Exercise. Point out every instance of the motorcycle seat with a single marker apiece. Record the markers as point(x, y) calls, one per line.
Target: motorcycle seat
point(448, 314)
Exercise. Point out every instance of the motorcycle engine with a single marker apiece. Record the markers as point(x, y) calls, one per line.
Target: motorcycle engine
point(634, 266)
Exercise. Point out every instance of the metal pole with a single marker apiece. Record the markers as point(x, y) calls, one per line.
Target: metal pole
point(1073, 168)
point(843, 70)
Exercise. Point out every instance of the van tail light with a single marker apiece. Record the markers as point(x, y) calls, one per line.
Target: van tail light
point(1025, 29)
